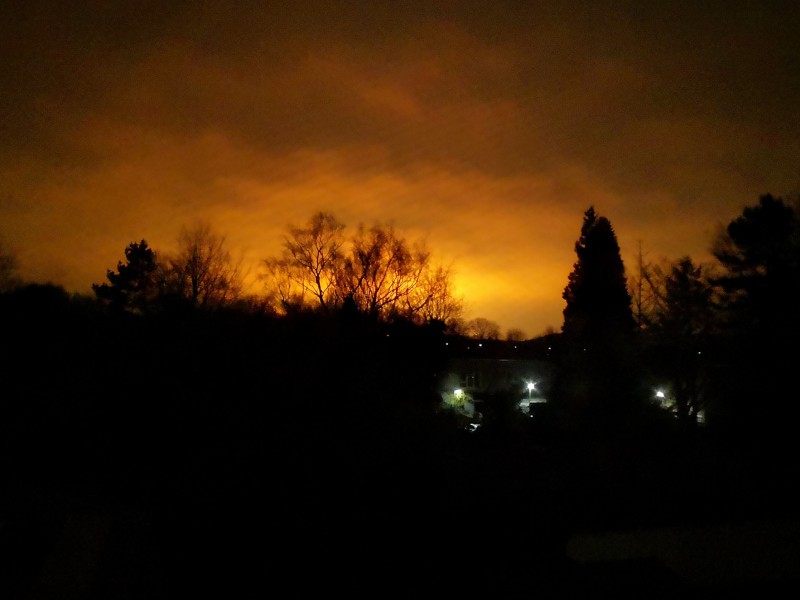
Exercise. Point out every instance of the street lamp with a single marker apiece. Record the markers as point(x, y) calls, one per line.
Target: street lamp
point(530, 389)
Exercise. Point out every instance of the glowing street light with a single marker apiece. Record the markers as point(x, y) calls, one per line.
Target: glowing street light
point(459, 393)
point(531, 386)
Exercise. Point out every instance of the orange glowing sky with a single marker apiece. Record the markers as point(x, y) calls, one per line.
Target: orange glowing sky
point(486, 128)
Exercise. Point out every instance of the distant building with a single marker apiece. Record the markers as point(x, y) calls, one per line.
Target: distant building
point(478, 370)
point(470, 382)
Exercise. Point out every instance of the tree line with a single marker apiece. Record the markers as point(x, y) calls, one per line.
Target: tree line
point(690, 326)
point(717, 336)
point(375, 271)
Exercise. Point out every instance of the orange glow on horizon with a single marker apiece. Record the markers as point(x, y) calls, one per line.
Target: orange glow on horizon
point(486, 137)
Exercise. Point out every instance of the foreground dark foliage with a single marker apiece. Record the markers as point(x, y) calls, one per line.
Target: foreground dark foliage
point(229, 453)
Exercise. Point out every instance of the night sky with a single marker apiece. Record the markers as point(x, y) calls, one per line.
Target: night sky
point(487, 128)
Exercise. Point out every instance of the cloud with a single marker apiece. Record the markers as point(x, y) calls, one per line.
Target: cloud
point(488, 131)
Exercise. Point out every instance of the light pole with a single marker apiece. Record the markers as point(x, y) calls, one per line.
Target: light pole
point(530, 389)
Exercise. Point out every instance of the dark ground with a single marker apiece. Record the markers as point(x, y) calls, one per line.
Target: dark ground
point(233, 457)
point(499, 524)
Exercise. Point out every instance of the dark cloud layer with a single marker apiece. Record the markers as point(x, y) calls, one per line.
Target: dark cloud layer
point(488, 128)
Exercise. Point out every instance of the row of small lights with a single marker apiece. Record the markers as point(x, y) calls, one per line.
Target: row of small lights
point(459, 393)
point(481, 346)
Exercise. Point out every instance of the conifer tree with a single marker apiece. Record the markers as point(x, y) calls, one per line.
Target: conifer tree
point(598, 302)
point(598, 371)
point(134, 283)
point(759, 253)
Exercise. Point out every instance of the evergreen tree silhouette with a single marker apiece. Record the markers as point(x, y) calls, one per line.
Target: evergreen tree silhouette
point(598, 302)
point(598, 373)
point(759, 252)
point(134, 284)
